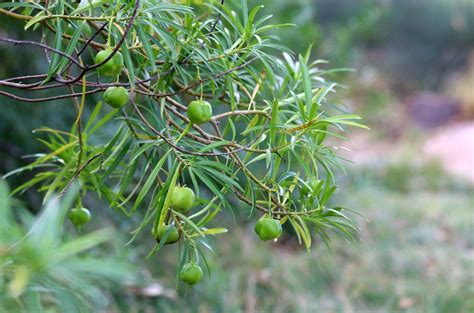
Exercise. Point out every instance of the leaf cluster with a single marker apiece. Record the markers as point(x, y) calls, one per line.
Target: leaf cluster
point(265, 149)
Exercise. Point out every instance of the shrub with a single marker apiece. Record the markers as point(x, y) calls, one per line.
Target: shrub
point(263, 144)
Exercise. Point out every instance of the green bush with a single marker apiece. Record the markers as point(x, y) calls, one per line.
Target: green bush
point(255, 140)
point(43, 268)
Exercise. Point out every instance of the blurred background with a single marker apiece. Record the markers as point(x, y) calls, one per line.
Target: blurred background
point(411, 179)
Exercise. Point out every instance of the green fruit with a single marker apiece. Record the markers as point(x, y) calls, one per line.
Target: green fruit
point(199, 112)
point(267, 228)
point(173, 235)
point(116, 97)
point(79, 216)
point(182, 199)
point(112, 67)
point(191, 273)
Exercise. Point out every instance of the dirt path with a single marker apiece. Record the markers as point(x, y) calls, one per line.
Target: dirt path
point(454, 147)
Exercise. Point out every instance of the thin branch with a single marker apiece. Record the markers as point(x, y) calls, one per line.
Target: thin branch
point(37, 44)
point(52, 98)
point(164, 138)
point(77, 173)
point(199, 82)
point(242, 112)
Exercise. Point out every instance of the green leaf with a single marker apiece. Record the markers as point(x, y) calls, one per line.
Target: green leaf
point(89, 4)
point(93, 116)
point(307, 87)
point(129, 64)
point(38, 18)
point(170, 183)
point(150, 181)
point(212, 231)
point(190, 223)
point(146, 45)
point(71, 46)
point(57, 44)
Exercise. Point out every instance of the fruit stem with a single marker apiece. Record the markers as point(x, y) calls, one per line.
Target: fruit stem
point(185, 131)
point(79, 202)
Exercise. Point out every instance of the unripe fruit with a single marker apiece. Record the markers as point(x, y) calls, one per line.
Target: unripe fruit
point(116, 97)
point(268, 228)
point(173, 235)
point(79, 216)
point(199, 112)
point(191, 273)
point(112, 67)
point(182, 199)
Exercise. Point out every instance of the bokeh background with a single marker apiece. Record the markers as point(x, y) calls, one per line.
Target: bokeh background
point(412, 176)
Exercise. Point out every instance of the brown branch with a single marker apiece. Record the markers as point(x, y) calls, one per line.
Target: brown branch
point(163, 137)
point(27, 77)
point(37, 44)
point(242, 112)
point(52, 98)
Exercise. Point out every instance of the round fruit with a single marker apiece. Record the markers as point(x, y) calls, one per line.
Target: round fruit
point(116, 97)
point(79, 216)
point(112, 67)
point(173, 235)
point(182, 199)
point(267, 228)
point(191, 273)
point(199, 112)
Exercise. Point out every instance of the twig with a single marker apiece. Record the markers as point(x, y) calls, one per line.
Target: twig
point(77, 173)
point(242, 112)
point(52, 98)
point(34, 43)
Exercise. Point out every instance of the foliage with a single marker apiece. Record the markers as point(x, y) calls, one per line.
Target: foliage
point(403, 39)
point(414, 256)
point(273, 115)
point(42, 268)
